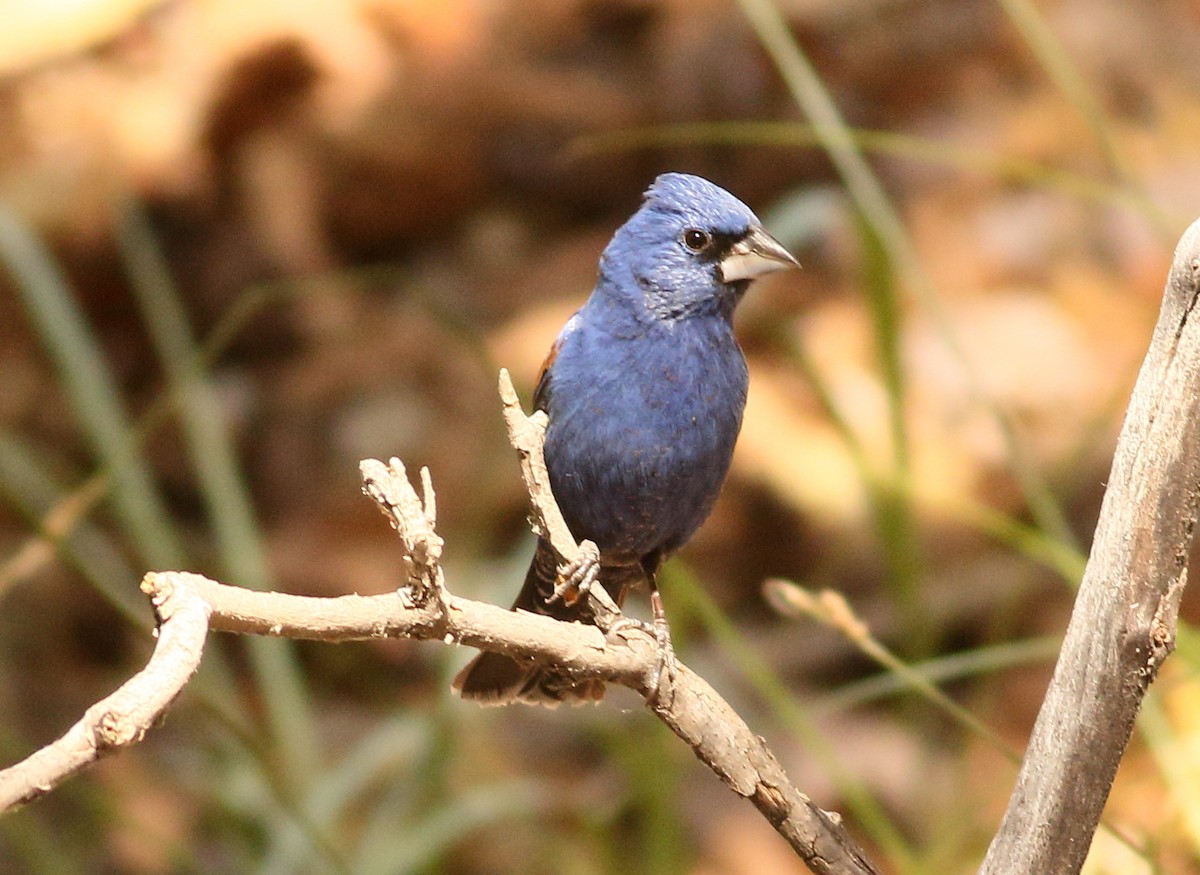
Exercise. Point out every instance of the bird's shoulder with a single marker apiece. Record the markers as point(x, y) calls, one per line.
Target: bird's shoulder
point(541, 393)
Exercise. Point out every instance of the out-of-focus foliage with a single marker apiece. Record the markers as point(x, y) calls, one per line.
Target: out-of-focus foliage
point(244, 245)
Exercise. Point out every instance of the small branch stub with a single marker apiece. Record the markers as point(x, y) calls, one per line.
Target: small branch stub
point(414, 519)
point(527, 435)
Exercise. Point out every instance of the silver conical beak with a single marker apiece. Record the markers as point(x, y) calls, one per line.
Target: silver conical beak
point(755, 254)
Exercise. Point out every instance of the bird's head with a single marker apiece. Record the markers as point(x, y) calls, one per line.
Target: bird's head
point(692, 248)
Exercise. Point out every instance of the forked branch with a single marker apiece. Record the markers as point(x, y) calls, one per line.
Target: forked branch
point(189, 605)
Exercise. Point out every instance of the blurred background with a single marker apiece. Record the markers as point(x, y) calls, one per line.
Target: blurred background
point(244, 245)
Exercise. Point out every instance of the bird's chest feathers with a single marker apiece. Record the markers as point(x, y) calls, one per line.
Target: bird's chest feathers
point(675, 392)
point(677, 405)
point(652, 414)
point(641, 433)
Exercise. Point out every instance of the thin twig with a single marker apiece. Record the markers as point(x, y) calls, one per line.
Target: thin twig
point(832, 609)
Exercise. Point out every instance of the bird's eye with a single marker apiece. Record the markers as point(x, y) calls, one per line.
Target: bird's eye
point(696, 240)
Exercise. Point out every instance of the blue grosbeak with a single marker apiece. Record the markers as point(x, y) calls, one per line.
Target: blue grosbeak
point(644, 391)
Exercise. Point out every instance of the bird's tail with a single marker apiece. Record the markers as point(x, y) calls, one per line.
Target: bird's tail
point(497, 679)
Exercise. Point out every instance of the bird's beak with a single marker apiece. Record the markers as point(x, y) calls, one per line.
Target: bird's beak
point(755, 254)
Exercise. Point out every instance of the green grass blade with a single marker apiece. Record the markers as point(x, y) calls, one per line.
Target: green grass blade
point(943, 669)
point(686, 593)
point(373, 761)
point(1031, 542)
point(891, 144)
point(228, 502)
point(412, 848)
point(892, 508)
point(27, 486)
point(1053, 57)
point(868, 194)
point(92, 391)
point(78, 504)
point(651, 764)
point(1056, 60)
point(832, 610)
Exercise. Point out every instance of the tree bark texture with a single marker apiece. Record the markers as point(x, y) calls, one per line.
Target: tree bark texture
point(1123, 624)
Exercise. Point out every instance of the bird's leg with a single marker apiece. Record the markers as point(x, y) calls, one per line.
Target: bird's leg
point(666, 650)
point(665, 664)
point(575, 578)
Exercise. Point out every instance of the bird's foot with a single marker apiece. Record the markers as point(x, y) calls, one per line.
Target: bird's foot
point(575, 579)
point(662, 681)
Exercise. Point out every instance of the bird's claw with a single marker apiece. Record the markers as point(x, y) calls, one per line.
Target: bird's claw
point(575, 579)
point(666, 667)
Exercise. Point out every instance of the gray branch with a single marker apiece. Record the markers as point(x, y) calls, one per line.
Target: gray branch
point(1123, 624)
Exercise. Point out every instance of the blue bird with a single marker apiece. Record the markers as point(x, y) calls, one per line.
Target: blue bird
point(644, 391)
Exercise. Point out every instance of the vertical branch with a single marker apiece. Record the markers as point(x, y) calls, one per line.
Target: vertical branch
point(1123, 623)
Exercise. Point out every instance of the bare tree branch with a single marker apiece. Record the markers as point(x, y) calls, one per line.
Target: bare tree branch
point(125, 717)
point(1123, 624)
point(188, 605)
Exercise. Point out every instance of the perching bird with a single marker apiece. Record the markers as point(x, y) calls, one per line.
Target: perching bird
point(644, 391)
